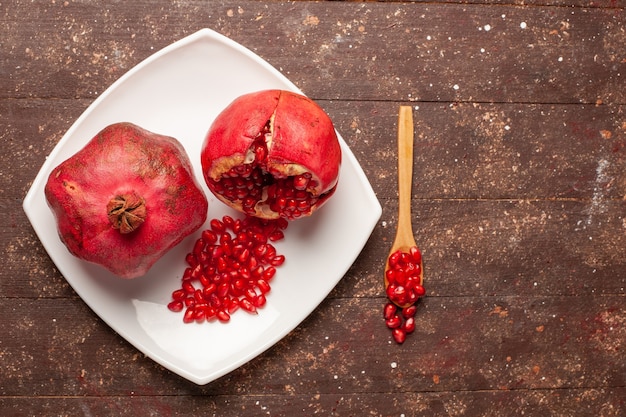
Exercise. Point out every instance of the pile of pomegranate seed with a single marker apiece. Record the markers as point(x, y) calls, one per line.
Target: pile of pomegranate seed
point(230, 267)
point(404, 288)
point(401, 321)
point(404, 276)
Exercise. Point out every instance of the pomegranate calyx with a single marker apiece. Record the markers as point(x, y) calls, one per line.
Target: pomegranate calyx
point(126, 212)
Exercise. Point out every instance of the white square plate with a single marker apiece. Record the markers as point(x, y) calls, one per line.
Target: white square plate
point(178, 91)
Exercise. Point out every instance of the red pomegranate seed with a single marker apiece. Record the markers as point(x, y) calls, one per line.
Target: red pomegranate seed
point(263, 286)
point(178, 295)
point(188, 317)
point(276, 235)
point(269, 273)
point(191, 260)
point(416, 254)
point(260, 301)
point(278, 260)
point(176, 306)
point(389, 310)
point(409, 325)
point(223, 316)
point(217, 226)
point(394, 322)
point(399, 335)
point(234, 306)
point(199, 315)
point(209, 237)
point(419, 290)
point(409, 312)
point(188, 287)
point(247, 305)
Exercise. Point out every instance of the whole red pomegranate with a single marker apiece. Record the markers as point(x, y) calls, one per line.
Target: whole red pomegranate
point(272, 154)
point(125, 199)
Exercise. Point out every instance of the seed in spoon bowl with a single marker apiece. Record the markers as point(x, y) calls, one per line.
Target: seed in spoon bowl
point(404, 277)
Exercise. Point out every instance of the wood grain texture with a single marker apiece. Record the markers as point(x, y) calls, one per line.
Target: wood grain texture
point(518, 202)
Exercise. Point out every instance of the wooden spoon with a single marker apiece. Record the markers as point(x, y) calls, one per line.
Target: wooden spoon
point(404, 239)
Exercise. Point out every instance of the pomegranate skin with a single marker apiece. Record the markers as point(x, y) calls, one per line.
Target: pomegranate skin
point(149, 173)
point(299, 139)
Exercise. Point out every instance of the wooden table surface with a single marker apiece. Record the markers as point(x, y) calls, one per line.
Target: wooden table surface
point(519, 202)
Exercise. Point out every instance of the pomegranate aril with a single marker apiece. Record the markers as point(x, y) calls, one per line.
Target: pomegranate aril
point(188, 287)
point(216, 226)
point(188, 317)
point(243, 255)
point(300, 182)
point(409, 325)
point(228, 221)
point(209, 237)
point(394, 258)
point(269, 273)
point(394, 322)
point(260, 301)
point(223, 289)
point(199, 246)
point(276, 236)
point(258, 271)
point(234, 306)
point(399, 335)
point(261, 250)
point(409, 312)
point(191, 260)
point(176, 306)
point(209, 289)
point(260, 150)
point(419, 290)
point(270, 253)
point(389, 310)
point(263, 286)
point(223, 316)
point(199, 315)
point(250, 293)
point(278, 260)
point(178, 295)
point(416, 255)
point(247, 305)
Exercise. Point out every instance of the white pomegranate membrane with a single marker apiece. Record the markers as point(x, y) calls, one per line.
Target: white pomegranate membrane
point(404, 278)
point(229, 268)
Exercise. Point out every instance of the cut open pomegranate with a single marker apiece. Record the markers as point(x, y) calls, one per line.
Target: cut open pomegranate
point(272, 154)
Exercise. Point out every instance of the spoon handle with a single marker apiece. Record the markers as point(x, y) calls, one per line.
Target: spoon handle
point(405, 173)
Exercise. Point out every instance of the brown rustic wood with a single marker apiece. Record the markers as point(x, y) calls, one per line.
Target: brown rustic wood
point(519, 204)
